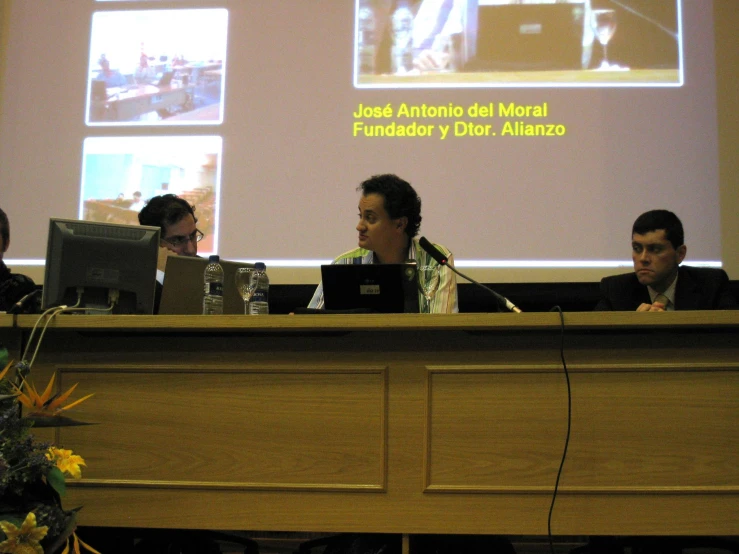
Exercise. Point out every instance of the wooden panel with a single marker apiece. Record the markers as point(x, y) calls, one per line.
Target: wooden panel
point(502, 429)
point(232, 427)
point(494, 429)
point(655, 430)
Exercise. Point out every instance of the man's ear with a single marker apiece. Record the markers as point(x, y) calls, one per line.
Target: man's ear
point(4, 246)
point(401, 223)
point(681, 251)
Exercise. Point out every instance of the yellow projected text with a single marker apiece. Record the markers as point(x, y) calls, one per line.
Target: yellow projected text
point(446, 121)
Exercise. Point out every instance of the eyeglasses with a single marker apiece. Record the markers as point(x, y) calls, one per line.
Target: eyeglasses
point(179, 240)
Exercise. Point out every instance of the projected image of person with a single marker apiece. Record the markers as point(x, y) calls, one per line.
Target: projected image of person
point(389, 220)
point(112, 77)
point(138, 204)
point(420, 42)
point(659, 283)
point(158, 82)
point(13, 286)
point(413, 36)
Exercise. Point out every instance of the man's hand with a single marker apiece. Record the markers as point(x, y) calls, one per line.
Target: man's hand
point(164, 253)
point(431, 60)
point(656, 307)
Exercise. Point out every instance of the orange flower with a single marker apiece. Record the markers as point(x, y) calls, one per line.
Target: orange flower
point(45, 404)
point(4, 371)
point(76, 545)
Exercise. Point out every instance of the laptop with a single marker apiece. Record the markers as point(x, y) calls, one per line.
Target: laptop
point(182, 290)
point(529, 37)
point(382, 288)
point(166, 79)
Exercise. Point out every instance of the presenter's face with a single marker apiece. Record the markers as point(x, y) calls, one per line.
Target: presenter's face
point(377, 231)
point(655, 259)
point(181, 237)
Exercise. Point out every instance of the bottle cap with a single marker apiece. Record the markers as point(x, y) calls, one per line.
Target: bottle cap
point(260, 266)
point(213, 258)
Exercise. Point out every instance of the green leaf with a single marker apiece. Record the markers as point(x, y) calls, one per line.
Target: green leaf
point(55, 477)
point(53, 421)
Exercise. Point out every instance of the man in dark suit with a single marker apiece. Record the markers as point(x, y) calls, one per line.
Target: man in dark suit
point(659, 283)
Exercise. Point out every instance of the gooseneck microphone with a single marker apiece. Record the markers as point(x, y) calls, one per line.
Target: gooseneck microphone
point(436, 254)
point(648, 19)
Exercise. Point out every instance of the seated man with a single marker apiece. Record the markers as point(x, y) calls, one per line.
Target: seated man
point(13, 286)
point(179, 235)
point(138, 204)
point(389, 219)
point(659, 282)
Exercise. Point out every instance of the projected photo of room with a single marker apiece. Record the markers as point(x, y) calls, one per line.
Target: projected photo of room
point(503, 43)
point(157, 67)
point(119, 175)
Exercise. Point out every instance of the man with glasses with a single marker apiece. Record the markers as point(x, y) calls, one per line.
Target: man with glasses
point(179, 234)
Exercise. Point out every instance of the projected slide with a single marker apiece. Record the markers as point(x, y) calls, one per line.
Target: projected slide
point(535, 171)
point(120, 174)
point(517, 43)
point(157, 67)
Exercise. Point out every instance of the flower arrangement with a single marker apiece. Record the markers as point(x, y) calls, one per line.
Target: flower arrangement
point(33, 473)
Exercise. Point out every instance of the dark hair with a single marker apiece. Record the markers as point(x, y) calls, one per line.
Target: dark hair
point(655, 220)
point(4, 229)
point(400, 199)
point(168, 209)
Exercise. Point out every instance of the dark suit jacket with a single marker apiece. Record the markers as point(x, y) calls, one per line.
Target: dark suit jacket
point(698, 288)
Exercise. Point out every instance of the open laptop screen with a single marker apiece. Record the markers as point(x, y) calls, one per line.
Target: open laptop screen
point(383, 288)
point(182, 290)
point(529, 37)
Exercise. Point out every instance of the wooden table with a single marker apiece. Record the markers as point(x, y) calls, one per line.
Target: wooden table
point(133, 102)
point(402, 423)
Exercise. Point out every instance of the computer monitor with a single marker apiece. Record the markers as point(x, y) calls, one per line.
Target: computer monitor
point(99, 91)
point(97, 258)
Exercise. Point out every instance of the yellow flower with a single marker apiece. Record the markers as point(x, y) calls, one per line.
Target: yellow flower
point(24, 540)
point(45, 404)
point(66, 461)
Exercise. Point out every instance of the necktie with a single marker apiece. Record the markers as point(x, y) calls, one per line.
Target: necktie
point(662, 299)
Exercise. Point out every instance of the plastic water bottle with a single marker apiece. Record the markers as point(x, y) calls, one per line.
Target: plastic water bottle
point(213, 288)
point(259, 303)
point(366, 38)
point(402, 56)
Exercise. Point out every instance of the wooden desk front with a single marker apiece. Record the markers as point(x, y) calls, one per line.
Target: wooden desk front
point(403, 423)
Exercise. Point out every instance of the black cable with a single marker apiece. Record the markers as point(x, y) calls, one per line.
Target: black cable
point(569, 423)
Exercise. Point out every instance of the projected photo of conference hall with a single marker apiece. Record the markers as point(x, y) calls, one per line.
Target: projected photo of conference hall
point(517, 43)
point(120, 174)
point(157, 67)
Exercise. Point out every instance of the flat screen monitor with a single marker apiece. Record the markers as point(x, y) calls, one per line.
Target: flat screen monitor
point(96, 258)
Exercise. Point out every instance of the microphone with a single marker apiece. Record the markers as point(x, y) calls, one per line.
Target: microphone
point(650, 20)
point(442, 260)
point(21, 304)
